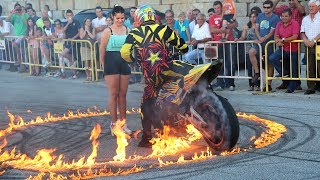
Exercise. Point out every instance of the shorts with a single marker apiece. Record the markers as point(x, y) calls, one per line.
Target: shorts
point(228, 18)
point(263, 45)
point(115, 64)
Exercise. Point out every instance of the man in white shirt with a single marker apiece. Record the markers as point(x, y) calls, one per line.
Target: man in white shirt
point(200, 35)
point(193, 23)
point(310, 34)
point(99, 23)
point(6, 29)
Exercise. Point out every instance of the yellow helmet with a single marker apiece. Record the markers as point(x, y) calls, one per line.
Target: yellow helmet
point(143, 14)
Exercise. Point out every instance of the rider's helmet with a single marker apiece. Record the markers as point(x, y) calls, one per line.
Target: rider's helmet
point(143, 14)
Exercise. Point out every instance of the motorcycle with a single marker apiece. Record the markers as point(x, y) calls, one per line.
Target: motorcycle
point(191, 98)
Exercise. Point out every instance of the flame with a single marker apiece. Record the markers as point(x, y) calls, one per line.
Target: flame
point(52, 176)
point(273, 132)
point(95, 144)
point(166, 144)
point(122, 141)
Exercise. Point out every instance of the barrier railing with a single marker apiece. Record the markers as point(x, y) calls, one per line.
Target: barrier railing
point(53, 55)
point(288, 66)
point(13, 50)
point(233, 56)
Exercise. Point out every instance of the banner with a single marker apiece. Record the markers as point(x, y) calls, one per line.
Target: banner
point(58, 47)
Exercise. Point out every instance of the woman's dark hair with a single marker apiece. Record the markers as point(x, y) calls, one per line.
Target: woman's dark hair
point(84, 24)
point(58, 21)
point(117, 9)
point(29, 28)
point(256, 9)
point(249, 24)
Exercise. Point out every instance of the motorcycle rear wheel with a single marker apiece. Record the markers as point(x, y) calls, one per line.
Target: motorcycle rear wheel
point(222, 121)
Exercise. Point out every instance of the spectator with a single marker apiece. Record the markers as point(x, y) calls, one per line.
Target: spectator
point(210, 12)
point(193, 23)
point(32, 13)
point(109, 21)
point(249, 34)
point(297, 9)
point(87, 32)
point(99, 23)
point(19, 20)
point(72, 29)
point(266, 25)
point(44, 15)
point(116, 70)
point(169, 16)
point(225, 51)
point(33, 46)
point(59, 34)
point(201, 34)
point(130, 20)
point(229, 16)
point(29, 6)
point(287, 30)
point(182, 27)
point(6, 28)
point(189, 16)
point(310, 33)
point(255, 9)
point(46, 8)
point(47, 45)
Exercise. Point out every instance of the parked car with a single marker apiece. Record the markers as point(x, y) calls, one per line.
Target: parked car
point(91, 13)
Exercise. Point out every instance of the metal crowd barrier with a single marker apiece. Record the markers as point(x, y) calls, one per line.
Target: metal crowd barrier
point(231, 67)
point(13, 50)
point(80, 56)
point(300, 75)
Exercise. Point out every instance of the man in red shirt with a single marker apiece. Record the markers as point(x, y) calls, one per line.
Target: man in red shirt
point(298, 11)
point(227, 53)
point(287, 30)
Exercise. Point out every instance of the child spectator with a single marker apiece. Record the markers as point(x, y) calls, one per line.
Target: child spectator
point(33, 46)
point(60, 35)
point(87, 32)
point(182, 27)
point(46, 46)
point(229, 16)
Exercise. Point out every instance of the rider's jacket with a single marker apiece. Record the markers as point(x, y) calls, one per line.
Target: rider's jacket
point(148, 44)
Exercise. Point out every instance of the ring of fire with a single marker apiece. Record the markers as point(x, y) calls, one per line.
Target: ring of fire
point(52, 166)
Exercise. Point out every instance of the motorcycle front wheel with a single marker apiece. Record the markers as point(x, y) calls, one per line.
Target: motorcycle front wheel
point(222, 130)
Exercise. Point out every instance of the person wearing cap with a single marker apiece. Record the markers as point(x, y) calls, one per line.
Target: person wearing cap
point(310, 34)
point(147, 44)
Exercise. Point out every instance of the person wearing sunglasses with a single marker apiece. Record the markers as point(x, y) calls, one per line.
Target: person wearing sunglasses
point(266, 25)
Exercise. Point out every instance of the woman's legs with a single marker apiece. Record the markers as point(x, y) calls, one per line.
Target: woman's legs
point(122, 101)
point(113, 85)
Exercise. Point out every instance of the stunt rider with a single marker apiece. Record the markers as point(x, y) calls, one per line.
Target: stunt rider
point(148, 44)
